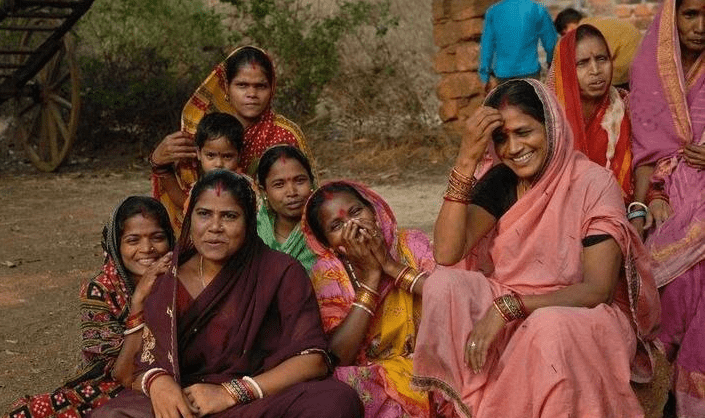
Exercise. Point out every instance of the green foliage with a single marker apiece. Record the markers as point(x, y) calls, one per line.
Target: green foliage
point(306, 45)
point(140, 61)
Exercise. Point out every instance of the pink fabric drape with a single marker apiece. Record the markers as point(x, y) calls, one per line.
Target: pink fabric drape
point(668, 111)
point(560, 359)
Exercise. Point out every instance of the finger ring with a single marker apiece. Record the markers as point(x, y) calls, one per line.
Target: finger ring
point(473, 344)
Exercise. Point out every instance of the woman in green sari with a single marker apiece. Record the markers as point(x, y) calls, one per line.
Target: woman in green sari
point(285, 181)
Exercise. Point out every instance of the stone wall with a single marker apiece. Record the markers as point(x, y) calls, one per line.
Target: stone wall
point(457, 26)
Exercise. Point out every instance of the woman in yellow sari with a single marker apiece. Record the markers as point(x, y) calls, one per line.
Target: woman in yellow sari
point(368, 281)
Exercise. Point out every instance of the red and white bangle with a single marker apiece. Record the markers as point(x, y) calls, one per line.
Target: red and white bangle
point(148, 378)
point(255, 385)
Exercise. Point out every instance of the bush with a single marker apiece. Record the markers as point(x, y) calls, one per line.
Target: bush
point(140, 61)
point(306, 44)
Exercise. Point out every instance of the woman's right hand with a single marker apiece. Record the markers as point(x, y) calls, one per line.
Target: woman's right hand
point(174, 147)
point(144, 286)
point(479, 128)
point(357, 243)
point(168, 401)
point(659, 211)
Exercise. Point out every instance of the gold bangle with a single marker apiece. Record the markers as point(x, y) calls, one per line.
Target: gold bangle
point(400, 275)
point(459, 187)
point(367, 299)
point(408, 279)
point(364, 308)
point(369, 289)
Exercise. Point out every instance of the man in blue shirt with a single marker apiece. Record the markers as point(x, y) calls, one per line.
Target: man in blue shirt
point(508, 48)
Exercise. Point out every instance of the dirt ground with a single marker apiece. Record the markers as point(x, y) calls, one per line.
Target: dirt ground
point(50, 228)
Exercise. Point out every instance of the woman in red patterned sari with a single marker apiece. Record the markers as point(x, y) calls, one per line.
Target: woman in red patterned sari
point(136, 241)
point(243, 85)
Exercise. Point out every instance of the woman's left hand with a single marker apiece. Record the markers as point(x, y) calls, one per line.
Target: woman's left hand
point(208, 398)
point(483, 334)
point(694, 155)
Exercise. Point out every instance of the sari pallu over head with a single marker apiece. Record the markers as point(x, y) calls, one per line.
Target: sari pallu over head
point(389, 343)
point(668, 111)
point(606, 137)
point(212, 96)
point(258, 311)
point(538, 243)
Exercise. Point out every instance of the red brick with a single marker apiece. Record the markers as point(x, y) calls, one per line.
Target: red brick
point(440, 8)
point(464, 9)
point(445, 33)
point(472, 104)
point(444, 61)
point(467, 56)
point(623, 12)
point(453, 86)
point(448, 110)
point(470, 28)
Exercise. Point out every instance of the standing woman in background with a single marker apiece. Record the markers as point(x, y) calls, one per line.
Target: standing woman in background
point(137, 242)
point(243, 85)
point(668, 121)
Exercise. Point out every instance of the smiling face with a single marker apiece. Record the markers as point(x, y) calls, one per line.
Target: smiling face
point(522, 146)
point(218, 225)
point(690, 19)
point(142, 243)
point(593, 67)
point(250, 93)
point(287, 187)
point(337, 209)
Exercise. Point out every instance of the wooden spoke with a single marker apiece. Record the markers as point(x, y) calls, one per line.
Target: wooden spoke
point(48, 119)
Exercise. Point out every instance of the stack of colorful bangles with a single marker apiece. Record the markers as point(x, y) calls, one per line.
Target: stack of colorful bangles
point(243, 390)
point(160, 170)
point(134, 323)
point(640, 212)
point(459, 187)
point(510, 307)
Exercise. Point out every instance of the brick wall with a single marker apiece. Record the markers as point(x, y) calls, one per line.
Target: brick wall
point(457, 26)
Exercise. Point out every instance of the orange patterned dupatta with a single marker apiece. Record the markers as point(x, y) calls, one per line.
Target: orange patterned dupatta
point(212, 96)
point(606, 137)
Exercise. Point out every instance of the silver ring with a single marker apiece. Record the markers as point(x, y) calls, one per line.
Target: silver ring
point(473, 344)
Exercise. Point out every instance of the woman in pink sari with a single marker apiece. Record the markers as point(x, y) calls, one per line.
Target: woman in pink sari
point(668, 121)
point(556, 315)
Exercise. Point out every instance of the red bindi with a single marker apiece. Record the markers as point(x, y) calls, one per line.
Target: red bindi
point(282, 159)
point(341, 213)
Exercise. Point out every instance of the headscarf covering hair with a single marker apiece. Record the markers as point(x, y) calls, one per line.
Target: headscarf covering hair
point(606, 138)
point(113, 229)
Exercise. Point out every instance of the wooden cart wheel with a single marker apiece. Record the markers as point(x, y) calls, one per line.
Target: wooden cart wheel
point(48, 118)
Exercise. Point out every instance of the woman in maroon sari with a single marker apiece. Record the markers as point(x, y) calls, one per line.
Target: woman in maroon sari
point(233, 330)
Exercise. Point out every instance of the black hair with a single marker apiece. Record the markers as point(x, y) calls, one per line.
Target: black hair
point(517, 93)
point(147, 207)
point(678, 4)
point(589, 31)
point(235, 184)
point(566, 17)
point(216, 125)
point(273, 154)
point(313, 206)
point(249, 55)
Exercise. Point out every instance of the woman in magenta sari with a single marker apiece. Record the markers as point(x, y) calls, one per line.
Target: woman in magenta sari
point(668, 121)
point(233, 329)
point(548, 320)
